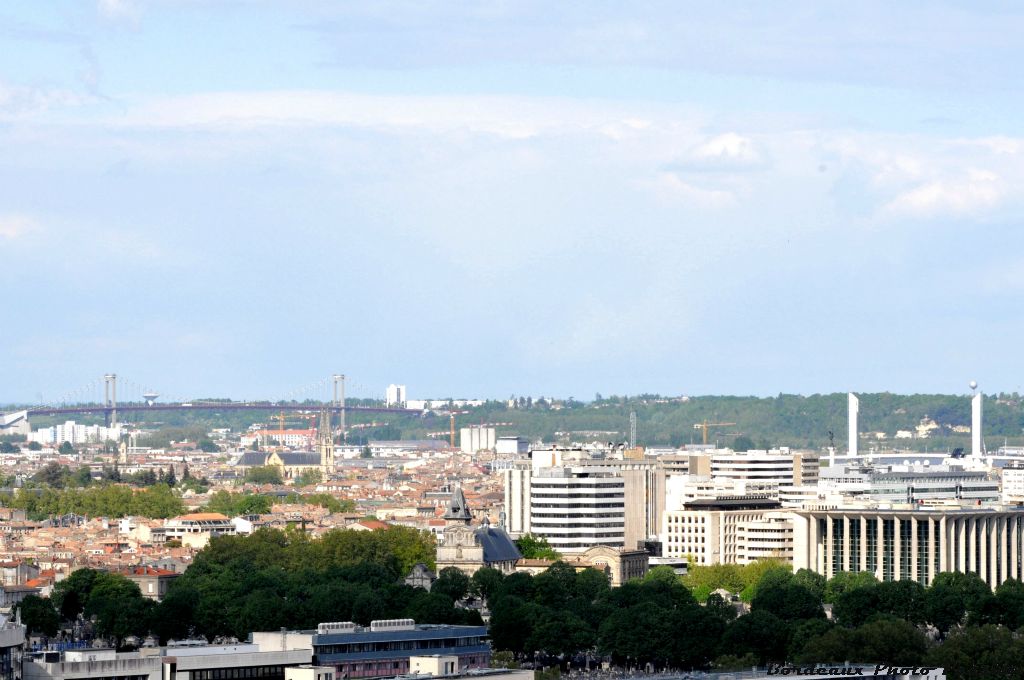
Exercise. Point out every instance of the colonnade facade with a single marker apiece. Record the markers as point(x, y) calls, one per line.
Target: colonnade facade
point(911, 544)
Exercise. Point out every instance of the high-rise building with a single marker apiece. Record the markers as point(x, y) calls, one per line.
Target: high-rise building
point(395, 396)
point(575, 508)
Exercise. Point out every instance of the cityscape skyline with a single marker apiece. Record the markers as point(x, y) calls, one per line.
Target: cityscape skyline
point(511, 199)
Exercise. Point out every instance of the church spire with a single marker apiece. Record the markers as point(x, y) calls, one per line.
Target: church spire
point(458, 509)
point(325, 442)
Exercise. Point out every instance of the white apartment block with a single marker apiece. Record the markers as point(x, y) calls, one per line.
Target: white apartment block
point(708, 530)
point(911, 541)
point(75, 434)
point(576, 508)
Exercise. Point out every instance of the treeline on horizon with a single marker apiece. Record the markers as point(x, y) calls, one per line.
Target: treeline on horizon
point(783, 420)
point(564, 617)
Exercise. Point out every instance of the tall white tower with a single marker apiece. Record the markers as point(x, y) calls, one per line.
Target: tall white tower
point(853, 409)
point(977, 440)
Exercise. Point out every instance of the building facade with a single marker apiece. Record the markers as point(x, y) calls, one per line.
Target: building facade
point(383, 648)
point(911, 542)
point(707, 531)
point(575, 508)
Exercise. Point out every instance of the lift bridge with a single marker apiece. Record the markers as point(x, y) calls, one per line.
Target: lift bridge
point(110, 407)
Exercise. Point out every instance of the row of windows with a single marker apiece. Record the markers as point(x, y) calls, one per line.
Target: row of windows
point(396, 645)
point(262, 672)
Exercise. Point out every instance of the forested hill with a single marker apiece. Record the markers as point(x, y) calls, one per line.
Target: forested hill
point(785, 420)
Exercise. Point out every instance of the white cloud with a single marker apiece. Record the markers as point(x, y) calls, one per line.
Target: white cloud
point(672, 188)
point(728, 148)
point(20, 101)
point(119, 10)
point(977, 192)
point(16, 226)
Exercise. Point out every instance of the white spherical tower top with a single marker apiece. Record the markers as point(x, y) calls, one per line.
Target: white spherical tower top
point(973, 384)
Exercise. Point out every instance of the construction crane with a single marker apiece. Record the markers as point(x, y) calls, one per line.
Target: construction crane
point(705, 425)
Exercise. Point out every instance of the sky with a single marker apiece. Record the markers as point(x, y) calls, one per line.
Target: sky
point(479, 199)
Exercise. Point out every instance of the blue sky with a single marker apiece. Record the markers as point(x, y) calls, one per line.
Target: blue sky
point(239, 198)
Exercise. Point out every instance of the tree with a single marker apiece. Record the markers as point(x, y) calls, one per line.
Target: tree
point(812, 581)
point(309, 477)
point(264, 474)
point(119, 607)
point(904, 599)
point(35, 446)
point(536, 548)
point(760, 633)
point(743, 443)
point(951, 597)
point(451, 583)
point(70, 595)
point(847, 580)
point(53, 475)
point(989, 652)
point(8, 447)
point(208, 446)
point(788, 601)
point(487, 582)
point(39, 615)
point(170, 479)
point(66, 449)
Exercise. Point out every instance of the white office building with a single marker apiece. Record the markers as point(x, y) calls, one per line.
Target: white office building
point(707, 531)
point(769, 537)
point(911, 541)
point(765, 471)
point(1013, 483)
point(576, 508)
point(517, 476)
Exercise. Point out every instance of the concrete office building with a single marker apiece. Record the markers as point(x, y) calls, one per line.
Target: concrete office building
point(1012, 483)
point(576, 508)
point(917, 483)
point(911, 542)
point(516, 475)
point(771, 536)
point(644, 482)
point(766, 471)
point(708, 530)
point(383, 648)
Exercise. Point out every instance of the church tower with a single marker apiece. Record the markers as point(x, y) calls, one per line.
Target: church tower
point(457, 511)
point(325, 442)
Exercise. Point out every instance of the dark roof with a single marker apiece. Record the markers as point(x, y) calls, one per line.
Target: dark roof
point(300, 458)
point(733, 503)
point(457, 507)
point(497, 545)
point(253, 459)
